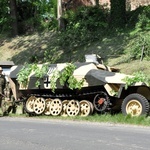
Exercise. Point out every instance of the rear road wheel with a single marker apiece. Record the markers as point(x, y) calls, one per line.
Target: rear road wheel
point(85, 108)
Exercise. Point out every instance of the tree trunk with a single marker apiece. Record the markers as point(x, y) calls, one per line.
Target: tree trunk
point(61, 24)
point(97, 2)
point(13, 15)
point(118, 13)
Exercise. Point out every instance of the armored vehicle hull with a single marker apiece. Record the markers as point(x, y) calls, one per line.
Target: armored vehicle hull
point(101, 90)
point(91, 87)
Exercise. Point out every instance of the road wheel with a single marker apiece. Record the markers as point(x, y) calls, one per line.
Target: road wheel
point(73, 108)
point(85, 108)
point(135, 105)
point(55, 107)
point(92, 108)
point(39, 105)
point(47, 108)
point(29, 104)
point(64, 108)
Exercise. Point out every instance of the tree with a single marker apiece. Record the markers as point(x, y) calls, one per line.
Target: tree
point(61, 23)
point(118, 13)
point(97, 2)
point(4, 16)
point(13, 15)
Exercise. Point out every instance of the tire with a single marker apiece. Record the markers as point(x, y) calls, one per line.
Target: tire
point(135, 105)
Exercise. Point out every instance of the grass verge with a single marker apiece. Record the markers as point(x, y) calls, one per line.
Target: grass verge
point(104, 118)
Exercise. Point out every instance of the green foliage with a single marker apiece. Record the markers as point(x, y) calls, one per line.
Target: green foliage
point(37, 15)
point(48, 15)
point(139, 19)
point(54, 78)
point(52, 54)
point(132, 16)
point(140, 46)
point(74, 83)
point(66, 73)
point(32, 16)
point(118, 13)
point(66, 78)
point(137, 77)
point(47, 23)
point(144, 19)
point(4, 16)
point(104, 118)
point(23, 74)
point(83, 25)
point(40, 72)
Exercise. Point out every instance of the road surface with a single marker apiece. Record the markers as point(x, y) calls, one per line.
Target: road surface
point(52, 134)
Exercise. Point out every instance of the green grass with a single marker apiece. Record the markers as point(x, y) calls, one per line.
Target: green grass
point(97, 118)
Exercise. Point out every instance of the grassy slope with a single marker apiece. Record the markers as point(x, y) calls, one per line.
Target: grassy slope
point(111, 48)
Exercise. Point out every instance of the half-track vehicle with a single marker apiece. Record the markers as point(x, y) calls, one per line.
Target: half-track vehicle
point(102, 90)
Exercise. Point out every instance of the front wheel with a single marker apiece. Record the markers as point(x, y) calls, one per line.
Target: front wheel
point(135, 105)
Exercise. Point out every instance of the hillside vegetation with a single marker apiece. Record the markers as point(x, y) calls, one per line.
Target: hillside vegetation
point(128, 49)
point(29, 48)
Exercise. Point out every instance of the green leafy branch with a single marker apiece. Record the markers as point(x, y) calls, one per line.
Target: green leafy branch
point(40, 72)
point(66, 73)
point(137, 77)
point(54, 78)
point(66, 78)
point(24, 73)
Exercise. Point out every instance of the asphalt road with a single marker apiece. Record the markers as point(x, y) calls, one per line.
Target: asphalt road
point(42, 134)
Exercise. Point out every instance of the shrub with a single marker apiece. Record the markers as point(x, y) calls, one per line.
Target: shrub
point(139, 18)
point(83, 25)
point(140, 46)
point(144, 19)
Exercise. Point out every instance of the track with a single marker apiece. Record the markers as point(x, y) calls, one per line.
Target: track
point(57, 107)
point(65, 104)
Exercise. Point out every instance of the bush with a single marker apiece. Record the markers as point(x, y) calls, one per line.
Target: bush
point(83, 25)
point(4, 17)
point(89, 18)
point(144, 19)
point(140, 46)
point(139, 18)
